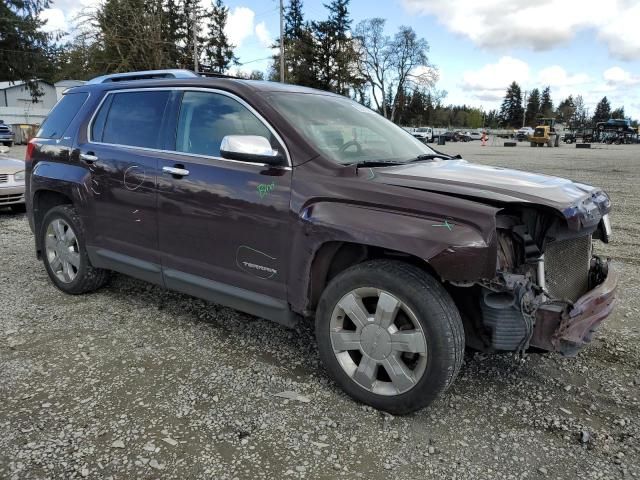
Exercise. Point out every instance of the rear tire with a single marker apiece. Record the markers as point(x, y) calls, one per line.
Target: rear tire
point(390, 335)
point(64, 252)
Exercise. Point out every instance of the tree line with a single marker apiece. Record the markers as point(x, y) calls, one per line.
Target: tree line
point(571, 110)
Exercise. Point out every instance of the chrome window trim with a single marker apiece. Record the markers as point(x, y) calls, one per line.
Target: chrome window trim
point(196, 155)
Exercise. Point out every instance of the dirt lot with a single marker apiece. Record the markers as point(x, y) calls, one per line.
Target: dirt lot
point(137, 382)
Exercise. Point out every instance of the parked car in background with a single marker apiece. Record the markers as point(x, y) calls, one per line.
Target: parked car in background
point(424, 134)
point(456, 136)
point(523, 133)
point(474, 135)
point(7, 136)
point(295, 205)
point(12, 183)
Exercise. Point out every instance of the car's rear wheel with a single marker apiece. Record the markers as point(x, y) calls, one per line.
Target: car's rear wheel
point(390, 335)
point(64, 253)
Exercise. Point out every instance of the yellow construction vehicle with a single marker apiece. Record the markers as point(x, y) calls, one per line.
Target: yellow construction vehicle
point(545, 134)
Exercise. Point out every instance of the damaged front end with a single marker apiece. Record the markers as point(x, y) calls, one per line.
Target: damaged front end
point(550, 290)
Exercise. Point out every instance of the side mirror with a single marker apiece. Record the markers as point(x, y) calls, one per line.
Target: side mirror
point(249, 148)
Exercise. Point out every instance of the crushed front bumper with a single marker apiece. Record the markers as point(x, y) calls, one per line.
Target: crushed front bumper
point(565, 328)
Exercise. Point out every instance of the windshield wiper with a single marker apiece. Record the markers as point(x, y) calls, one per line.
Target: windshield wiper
point(376, 163)
point(430, 156)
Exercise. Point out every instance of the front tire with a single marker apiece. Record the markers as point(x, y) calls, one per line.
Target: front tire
point(64, 252)
point(390, 335)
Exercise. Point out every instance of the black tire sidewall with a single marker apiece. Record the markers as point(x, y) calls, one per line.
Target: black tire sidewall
point(67, 214)
point(432, 312)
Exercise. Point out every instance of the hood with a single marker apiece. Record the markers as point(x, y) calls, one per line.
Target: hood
point(10, 165)
point(501, 185)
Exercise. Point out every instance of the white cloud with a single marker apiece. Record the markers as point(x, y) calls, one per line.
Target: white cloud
point(496, 76)
point(239, 25)
point(616, 76)
point(263, 34)
point(55, 20)
point(540, 25)
point(622, 35)
point(61, 16)
point(556, 76)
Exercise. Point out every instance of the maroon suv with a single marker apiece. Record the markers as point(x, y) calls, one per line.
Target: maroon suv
point(290, 203)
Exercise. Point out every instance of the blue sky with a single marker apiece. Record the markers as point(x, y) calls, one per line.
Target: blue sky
point(575, 46)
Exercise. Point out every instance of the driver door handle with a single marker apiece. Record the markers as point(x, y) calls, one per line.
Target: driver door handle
point(88, 158)
point(179, 172)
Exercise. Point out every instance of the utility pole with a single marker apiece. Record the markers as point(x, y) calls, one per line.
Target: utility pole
point(195, 37)
point(281, 41)
point(524, 111)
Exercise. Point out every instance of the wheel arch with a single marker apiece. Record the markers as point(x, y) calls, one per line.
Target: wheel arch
point(43, 201)
point(335, 236)
point(52, 184)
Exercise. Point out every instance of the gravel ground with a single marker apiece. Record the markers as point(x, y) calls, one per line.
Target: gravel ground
point(135, 381)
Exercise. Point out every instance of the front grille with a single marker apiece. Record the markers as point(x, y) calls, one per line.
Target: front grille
point(566, 267)
point(4, 178)
point(10, 198)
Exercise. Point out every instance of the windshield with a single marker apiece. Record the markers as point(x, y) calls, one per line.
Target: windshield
point(422, 130)
point(345, 131)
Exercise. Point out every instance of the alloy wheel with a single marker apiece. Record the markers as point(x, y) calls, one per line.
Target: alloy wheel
point(378, 341)
point(62, 250)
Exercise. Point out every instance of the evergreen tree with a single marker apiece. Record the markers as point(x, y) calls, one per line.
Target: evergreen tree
point(294, 20)
point(546, 104)
point(566, 110)
point(299, 47)
point(175, 25)
point(24, 48)
point(603, 111)
point(511, 111)
point(618, 113)
point(219, 51)
point(341, 52)
point(533, 107)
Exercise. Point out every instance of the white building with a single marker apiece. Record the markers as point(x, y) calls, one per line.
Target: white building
point(17, 106)
point(62, 85)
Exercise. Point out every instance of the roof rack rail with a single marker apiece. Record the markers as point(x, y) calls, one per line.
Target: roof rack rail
point(144, 75)
point(218, 75)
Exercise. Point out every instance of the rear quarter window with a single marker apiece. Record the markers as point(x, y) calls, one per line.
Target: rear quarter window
point(62, 115)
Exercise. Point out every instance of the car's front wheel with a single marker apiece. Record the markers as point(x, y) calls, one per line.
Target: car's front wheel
point(390, 335)
point(64, 253)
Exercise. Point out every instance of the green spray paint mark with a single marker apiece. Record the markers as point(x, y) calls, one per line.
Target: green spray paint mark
point(446, 224)
point(265, 188)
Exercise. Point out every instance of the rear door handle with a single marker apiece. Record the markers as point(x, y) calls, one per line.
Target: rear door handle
point(88, 158)
point(179, 172)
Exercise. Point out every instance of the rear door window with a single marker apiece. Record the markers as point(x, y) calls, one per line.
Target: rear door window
point(133, 119)
point(61, 116)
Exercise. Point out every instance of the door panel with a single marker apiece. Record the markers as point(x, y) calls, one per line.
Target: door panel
point(216, 223)
point(225, 221)
point(124, 171)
